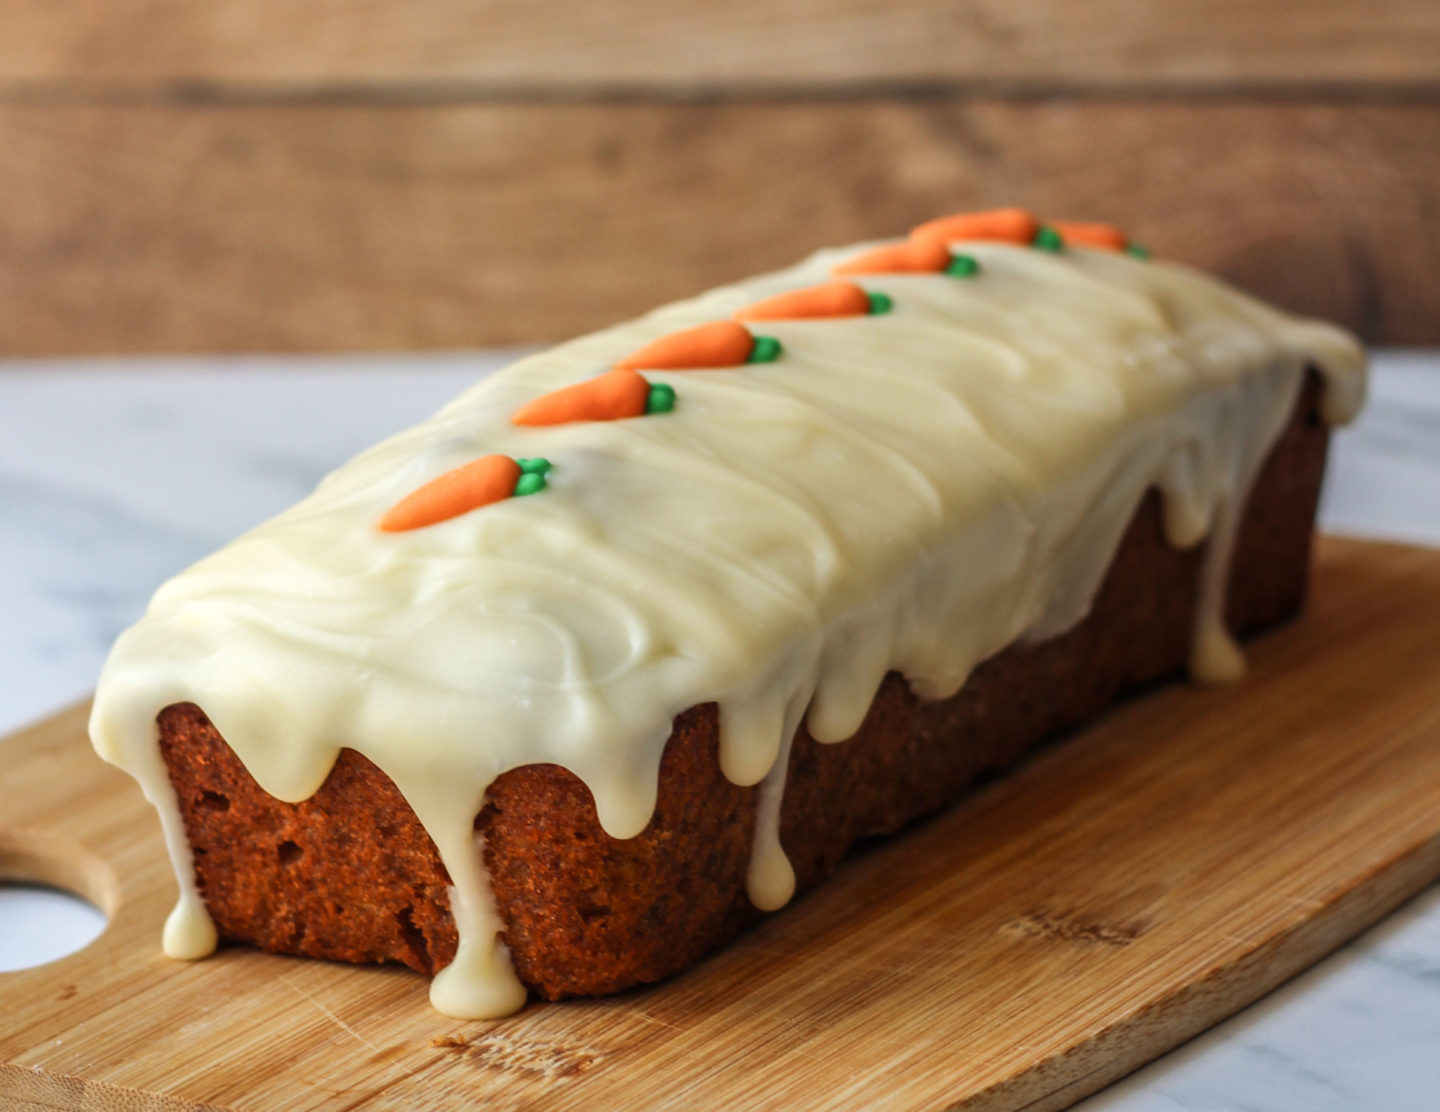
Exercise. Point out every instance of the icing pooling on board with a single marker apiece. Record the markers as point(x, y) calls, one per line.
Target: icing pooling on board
point(913, 491)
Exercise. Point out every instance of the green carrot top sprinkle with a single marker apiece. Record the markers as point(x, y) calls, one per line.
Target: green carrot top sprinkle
point(767, 349)
point(1048, 239)
point(661, 398)
point(963, 266)
point(531, 482)
point(880, 303)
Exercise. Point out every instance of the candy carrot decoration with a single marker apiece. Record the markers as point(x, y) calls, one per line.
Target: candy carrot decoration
point(833, 299)
point(614, 395)
point(1106, 237)
point(722, 343)
point(929, 256)
point(468, 487)
point(1008, 225)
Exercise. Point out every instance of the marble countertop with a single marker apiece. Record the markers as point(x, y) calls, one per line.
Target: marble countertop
point(115, 474)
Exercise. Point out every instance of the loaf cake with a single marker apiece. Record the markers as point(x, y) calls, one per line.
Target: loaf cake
point(556, 692)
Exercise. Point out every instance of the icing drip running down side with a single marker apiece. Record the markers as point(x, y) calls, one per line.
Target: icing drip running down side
point(911, 488)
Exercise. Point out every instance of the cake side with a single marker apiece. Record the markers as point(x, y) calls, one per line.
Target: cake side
point(350, 874)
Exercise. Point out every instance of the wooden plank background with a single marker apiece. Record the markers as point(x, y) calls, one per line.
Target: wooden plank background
point(383, 174)
point(677, 47)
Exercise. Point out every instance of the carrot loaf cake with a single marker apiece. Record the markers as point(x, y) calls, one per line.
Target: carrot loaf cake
point(543, 695)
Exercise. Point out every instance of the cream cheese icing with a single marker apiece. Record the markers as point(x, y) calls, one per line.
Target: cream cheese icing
point(912, 491)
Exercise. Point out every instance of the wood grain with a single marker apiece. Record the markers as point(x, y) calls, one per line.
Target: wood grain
point(1112, 897)
point(320, 227)
point(690, 47)
point(389, 174)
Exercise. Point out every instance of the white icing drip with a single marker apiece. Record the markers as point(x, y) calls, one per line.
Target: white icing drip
point(770, 879)
point(1253, 421)
point(189, 933)
point(479, 981)
point(909, 492)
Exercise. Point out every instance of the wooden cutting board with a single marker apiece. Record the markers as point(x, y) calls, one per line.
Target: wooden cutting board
point(1114, 896)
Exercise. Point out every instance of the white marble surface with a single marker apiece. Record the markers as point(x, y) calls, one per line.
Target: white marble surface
point(115, 474)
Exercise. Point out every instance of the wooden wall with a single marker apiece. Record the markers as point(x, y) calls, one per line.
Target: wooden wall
point(180, 175)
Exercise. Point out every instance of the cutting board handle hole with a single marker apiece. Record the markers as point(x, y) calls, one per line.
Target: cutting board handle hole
point(56, 897)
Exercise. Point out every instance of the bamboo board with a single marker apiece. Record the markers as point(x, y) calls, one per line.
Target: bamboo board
point(1112, 897)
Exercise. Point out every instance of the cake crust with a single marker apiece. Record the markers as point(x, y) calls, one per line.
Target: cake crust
point(350, 874)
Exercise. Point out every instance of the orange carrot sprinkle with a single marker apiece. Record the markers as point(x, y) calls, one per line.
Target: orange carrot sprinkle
point(833, 299)
point(1104, 236)
point(611, 396)
point(1010, 225)
point(722, 343)
point(468, 487)
point(914, 257)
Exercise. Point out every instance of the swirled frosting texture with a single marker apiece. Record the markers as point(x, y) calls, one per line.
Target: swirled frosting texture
point(913, 491)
